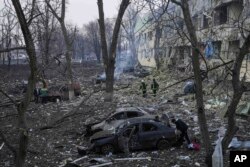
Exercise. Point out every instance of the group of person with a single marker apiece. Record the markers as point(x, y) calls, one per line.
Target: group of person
point(40, 93)
point(180, 125)
point(154, 88)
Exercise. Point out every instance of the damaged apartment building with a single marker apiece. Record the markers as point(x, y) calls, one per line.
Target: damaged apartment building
point(219, 24)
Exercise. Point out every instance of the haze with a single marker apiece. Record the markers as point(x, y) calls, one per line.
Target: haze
point(83, 11)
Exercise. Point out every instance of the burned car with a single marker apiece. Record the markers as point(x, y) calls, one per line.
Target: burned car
point(116, 118)
point(140, 133)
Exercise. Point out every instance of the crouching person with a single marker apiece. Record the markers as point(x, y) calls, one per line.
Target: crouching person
point(182, 127)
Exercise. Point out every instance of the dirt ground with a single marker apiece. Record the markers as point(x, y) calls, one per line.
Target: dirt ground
point(57, 144)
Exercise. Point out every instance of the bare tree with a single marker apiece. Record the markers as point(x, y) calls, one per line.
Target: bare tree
point(129, 26)
point(110, 55)
point(238, 82)
point(45, 28)
point(198, 80)
point(21, 152)
point(68, 41)
point(79, 45)
point(92, 33)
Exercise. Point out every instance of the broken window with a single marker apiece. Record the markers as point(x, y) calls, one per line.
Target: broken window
point(233, 49)
point(217, 49)
point(195, 22)
point(221, 15)
point(146, 127)
point(132, 114)
point(205, 21)
point(129, 129)
point(150, 35)
point(119, 116)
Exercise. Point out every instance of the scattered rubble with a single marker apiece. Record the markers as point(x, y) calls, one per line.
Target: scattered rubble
point(58, 144)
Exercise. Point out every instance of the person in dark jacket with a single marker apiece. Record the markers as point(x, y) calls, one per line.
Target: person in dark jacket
point(143, 87)
point(154, 87)
point(183, 127)
point(36, 94)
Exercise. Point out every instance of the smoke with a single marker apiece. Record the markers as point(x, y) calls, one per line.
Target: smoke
point(124, 63)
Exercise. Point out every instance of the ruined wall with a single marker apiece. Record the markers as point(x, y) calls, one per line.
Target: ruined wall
point(225, 36)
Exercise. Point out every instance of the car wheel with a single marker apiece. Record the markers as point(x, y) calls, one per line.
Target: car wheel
point(163, 144)
point(107, 148)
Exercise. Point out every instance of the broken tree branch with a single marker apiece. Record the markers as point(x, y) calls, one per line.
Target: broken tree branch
point(72, 113)
point(12, 100)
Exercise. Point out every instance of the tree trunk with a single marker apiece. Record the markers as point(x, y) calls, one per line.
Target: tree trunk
point(109, 57)
point(68, 54)
point(238, 89)
point(157, 46)
point(22, 107)
point(9, 59)
point(109, 82)
point(198, 81)
point(23, 138)
point(133, 51)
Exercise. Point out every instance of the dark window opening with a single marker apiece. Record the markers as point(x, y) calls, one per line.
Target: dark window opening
point(146, 127)
point(150, 35)
point(221, 16)
point(195, 22)
point(119, 116)
point(205, 21)
point(127, 132)
point(132, 114)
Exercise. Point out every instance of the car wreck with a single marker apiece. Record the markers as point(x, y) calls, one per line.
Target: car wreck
point(134, 134)
point(116, 119)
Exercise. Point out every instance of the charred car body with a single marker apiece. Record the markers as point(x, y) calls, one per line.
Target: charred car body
point(116, 119)
point(136, 134)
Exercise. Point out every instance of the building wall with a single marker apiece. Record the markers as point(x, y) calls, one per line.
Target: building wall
point(224, 34)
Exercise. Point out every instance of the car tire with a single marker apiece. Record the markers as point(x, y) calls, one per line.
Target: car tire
point(107, 148)
point(163, 144)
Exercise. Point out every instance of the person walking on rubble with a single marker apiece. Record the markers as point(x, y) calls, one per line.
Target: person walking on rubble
point(143, 87)
point(154, 87)
point(183, 127)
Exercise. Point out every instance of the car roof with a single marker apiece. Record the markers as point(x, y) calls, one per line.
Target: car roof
point(129, 109)
point(138, 120)
point(126, 109)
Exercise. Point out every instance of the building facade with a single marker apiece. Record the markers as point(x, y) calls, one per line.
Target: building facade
point(221, 24)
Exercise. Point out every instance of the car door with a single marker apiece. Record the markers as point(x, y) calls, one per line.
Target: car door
point(130, 134)
point(148, 135)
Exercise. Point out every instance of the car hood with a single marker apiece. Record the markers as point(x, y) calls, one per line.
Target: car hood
point(102, 134)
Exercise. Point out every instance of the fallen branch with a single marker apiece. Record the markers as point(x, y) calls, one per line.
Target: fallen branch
point(10, 147)
point(191, 77)
point(124, 87)
point(1, 146)
point(72, 113)
point(105, 164)
point(11, 99)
